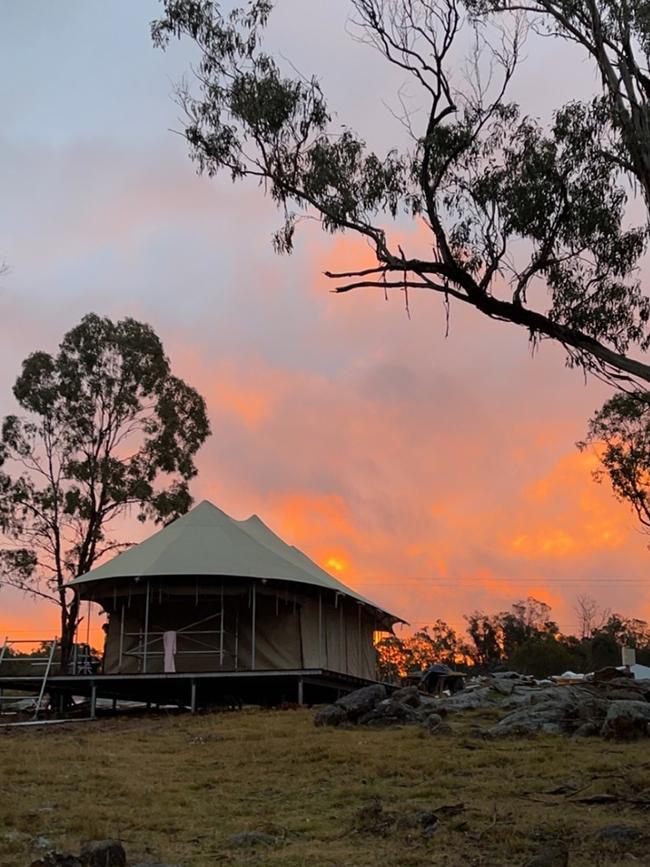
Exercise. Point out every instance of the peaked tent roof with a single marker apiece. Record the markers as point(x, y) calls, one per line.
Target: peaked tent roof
point(207, 541)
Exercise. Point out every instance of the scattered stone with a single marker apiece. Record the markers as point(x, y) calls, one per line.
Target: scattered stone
point(613, 707)
point(42, 843)
point(330, 715)
point(610, 673)
point(359, 702)
point(408, 695)
point(626, 720)
point(619, 834)
point(252, 838)
point(504, 686)
point(587, 730)
point(57, 859)
point(103, 853)
point(389, 713)
point(552, 855)
point(469, 700)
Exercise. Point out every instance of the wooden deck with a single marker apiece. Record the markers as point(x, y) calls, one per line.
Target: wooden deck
point(195, 690)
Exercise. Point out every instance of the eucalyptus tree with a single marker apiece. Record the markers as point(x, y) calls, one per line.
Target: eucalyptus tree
point(105, 429)
point(620, 433)
point(527, 221)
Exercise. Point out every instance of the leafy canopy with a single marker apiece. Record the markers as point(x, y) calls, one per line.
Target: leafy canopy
point(106, 427)
point(527, 221)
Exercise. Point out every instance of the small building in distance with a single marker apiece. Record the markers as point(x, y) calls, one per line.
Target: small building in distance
point(208, 593)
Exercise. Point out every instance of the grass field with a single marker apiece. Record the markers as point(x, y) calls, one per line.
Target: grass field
point(176, 788)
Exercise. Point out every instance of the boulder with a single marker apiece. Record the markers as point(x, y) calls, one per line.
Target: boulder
point(610, 673)
point(505, 686)
point(469, 700)
point(552, 715)
point(57, 859)
point(587, 730)
point(103, 853)
point(359, 702)
point(626, 720)
point(330, 715)
point(389, 713)
point(435, 724)
point(407, 695)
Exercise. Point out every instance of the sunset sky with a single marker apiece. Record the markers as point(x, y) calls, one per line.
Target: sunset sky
point(435, 475)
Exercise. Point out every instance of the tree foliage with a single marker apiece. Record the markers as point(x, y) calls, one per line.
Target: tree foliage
point(527, 222)
point(523, 638)
point(106, 427)
point(620, 431)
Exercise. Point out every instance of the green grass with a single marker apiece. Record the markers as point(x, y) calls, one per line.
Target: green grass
point(176, 788)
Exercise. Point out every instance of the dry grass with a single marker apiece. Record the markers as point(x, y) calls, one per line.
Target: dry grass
point(176, 788)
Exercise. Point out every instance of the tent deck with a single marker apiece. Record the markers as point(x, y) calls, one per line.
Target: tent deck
point(300, 686)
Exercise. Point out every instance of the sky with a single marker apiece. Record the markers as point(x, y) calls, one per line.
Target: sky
point(436, 475)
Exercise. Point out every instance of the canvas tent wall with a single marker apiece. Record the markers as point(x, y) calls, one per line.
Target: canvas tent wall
point(237, 598)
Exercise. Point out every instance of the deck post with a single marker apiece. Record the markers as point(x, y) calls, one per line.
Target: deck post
point(253, 627)
point(221, 630)
point(320, 628)
point(93, 700)
point(237, 638)
point(146, 630)
point(119, 664)
point(193, 695)
point(301, 691)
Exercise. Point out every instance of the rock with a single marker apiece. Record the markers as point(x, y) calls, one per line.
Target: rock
point(389, 713)
point(359, 702)
point(252, 838)
point(57, 859)
point(433, 721)
point(587, 730)
point(103, 853)
point(504, 686)
point(626, 720)
point(551, 713)
point(330, 715)
point(552, 855)
point(469, 700)
point(619, 834)
point(407, 695)
point(42, 843)
point(610, 673)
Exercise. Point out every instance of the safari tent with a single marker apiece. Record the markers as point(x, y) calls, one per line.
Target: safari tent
point(208, 593)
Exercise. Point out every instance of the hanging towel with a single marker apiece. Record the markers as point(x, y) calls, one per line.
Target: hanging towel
point(169, 646)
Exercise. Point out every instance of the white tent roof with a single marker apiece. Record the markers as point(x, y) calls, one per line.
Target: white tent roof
point(207, 542)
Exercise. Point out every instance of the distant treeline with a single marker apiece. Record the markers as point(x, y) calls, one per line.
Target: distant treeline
point(523, 638)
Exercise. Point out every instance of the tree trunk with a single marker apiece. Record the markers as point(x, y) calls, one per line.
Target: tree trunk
point(69, 617)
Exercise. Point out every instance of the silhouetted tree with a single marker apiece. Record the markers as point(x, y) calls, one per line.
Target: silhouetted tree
point(620, 432)
point(107, 428)
point(590, 615)
point(527, 222)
